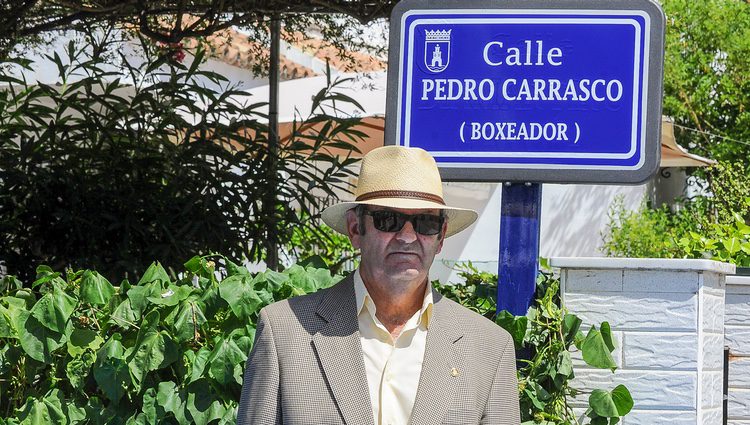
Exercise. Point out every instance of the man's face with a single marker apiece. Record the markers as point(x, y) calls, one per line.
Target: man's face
point(404, 255)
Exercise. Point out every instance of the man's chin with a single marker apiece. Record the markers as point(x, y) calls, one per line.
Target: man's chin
point(407, 274)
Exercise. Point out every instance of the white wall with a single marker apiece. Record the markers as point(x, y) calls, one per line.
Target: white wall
point(667, 316)
point(572, 221)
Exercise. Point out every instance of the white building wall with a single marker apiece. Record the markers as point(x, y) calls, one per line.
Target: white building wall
point(668, 319)
point(573, 219)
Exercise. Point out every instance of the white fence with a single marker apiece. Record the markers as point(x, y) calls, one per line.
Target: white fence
point(668, 318)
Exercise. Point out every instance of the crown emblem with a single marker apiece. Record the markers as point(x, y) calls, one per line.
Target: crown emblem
point(438, 35)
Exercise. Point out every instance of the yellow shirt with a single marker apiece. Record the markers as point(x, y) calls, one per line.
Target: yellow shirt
point(392, 366)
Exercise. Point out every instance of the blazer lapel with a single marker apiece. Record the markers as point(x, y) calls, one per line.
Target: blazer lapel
point(340, 353)
point(436, 384)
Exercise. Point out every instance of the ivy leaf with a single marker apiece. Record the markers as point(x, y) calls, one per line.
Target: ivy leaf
point(138, 297)
point(155, 272)
point(113, 377)
point(606, 332)
point(28, 298)
point(149, 406)
point(203, 403)
point(571, 324)
point(152, 350)
point(6, 329)
point(596, 351)
point(223, 358)
point(321, 277)
point(79, 368)
point(234, 269)
point(515, 325)
point(188, 321)
point(45, 411)
point(171, 400)
point(274, 279)
point(732, 245)
point(301, 280)
point(565, 364)
point(531, 394)
point(17, 315)
point(124, 316)
point(39, 341)
point(54, 309)
point(95, 288)
point(239, 293)
point(199, 363)
point(44, 274)
point(75, 411)
point(34, 412)
point(171, 296)
point(193, 265)
point(613, 404)
point(54, 401)
point(81, 339)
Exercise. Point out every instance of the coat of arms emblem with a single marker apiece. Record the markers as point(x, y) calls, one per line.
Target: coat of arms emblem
point(437, 49)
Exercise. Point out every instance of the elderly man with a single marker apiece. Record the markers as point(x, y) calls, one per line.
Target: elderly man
point(381, 347)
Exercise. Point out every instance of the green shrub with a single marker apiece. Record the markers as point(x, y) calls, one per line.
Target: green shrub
point(545, 337)
point(74, 349)
point(111, 169)
point(649, 232)
point(714, 227)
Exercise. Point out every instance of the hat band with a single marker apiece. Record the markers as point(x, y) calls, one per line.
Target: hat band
point(401, 194)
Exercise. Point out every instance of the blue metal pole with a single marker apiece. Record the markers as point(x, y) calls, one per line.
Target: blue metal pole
point(519, 246)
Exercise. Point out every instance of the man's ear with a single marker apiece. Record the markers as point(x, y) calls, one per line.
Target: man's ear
point(352, 227)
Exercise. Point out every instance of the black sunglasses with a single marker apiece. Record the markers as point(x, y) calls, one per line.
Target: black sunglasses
point(392, 221)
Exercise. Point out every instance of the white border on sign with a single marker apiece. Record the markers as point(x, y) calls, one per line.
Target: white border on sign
point(540, 20)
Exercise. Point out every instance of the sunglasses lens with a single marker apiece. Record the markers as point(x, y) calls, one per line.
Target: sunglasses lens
point(391, 221)
point(427, 224)
point(388, 221)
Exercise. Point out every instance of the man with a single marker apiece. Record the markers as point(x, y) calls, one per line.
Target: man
point(381, 347)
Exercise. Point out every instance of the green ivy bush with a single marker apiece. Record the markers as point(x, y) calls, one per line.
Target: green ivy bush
point(714, 227)
point(75, 349)
point(545, 338)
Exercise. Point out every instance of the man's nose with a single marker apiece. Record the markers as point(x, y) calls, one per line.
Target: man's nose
point(407, 233)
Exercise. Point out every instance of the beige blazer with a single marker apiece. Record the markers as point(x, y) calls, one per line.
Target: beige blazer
point(306, 366)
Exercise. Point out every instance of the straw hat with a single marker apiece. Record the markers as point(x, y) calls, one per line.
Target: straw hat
point(399, 177)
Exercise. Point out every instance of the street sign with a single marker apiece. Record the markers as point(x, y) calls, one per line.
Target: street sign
point(529, 91)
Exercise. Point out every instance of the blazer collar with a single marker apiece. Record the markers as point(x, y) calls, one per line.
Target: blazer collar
point(340, 353)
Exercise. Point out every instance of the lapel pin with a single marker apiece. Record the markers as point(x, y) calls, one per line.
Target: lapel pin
point(454, 372)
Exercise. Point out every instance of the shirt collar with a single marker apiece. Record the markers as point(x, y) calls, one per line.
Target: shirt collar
point(365, 300)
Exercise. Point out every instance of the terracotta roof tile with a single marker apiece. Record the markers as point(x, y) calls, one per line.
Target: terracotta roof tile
point(236, 49)
point(358, 61)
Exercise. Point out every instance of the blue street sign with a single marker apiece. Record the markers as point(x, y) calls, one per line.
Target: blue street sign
point(523, 93)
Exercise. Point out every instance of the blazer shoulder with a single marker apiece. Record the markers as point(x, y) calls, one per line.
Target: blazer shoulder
point(304, 308)
point(301, 305)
